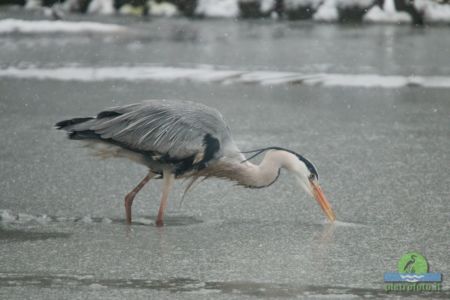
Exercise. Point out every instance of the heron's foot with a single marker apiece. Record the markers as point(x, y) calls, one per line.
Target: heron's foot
point(128, 203)
point(159, 223)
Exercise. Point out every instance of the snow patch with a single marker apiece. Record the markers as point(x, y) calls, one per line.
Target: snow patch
point(33, 4)
point(97, 286)
point(201, 74)
point(327, 12)
point(7, 217)
point(217, 8)
point(87, 220)
point(163, 9)
point(129, 9)
point(24, 26)
point(387, 15)
point(433, 12)
point(102, 7)
point(267, 5)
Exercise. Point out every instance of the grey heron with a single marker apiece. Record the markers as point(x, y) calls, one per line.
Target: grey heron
point(182, 139)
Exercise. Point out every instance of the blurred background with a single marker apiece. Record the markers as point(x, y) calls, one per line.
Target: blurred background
point(360, 88)
point(417, 12)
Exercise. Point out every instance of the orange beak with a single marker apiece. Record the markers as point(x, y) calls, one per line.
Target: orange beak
point(323, 202)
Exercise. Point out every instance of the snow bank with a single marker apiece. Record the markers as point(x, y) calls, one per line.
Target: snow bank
point(24, 26)
point(321, 10)
point(437, 13)
point(432, 11)
point(387, 15)
point(377, 15)
point(163, 9)
point(33, 4)
point(327, 11)
point(217, 8)
point(211, 75)
point(267, 5)
point(103, 7)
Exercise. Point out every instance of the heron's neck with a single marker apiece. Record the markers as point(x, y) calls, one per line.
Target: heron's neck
point(262, 175)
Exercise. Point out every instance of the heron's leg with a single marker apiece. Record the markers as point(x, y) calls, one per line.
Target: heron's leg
point(130, 196)
point(168, 182)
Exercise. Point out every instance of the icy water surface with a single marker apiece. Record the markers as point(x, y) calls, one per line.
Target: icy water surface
point(381, 151)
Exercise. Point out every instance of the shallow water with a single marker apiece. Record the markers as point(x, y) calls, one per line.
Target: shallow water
point(381, 155)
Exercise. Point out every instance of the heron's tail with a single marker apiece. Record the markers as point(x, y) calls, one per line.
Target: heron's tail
point(77, 128)
point(71, 122)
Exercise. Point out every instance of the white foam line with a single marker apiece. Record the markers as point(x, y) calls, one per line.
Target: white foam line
point(24, 26)
point(158, 73)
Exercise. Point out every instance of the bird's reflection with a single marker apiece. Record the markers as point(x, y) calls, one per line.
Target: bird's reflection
point(323, 241)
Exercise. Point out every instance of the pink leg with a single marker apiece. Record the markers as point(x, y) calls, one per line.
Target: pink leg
point(168, 182)
point(130, 196)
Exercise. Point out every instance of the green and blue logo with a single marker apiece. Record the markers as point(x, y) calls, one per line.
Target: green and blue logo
point(412, 270)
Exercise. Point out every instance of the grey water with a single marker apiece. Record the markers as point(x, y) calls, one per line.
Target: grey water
point(382, 156)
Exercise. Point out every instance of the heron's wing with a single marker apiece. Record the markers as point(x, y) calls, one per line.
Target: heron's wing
point(178, 129)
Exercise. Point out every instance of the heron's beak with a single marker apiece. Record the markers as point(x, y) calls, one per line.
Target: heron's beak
point(323, 202)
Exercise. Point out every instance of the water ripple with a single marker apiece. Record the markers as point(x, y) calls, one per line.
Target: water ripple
point(189, 285)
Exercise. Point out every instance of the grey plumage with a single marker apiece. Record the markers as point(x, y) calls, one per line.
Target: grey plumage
point(173, 130)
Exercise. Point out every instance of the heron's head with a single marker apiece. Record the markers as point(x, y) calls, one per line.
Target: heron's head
point(303, 170)
point(307, 177)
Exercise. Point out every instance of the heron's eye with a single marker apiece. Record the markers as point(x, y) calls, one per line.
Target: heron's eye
point(312, 177)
